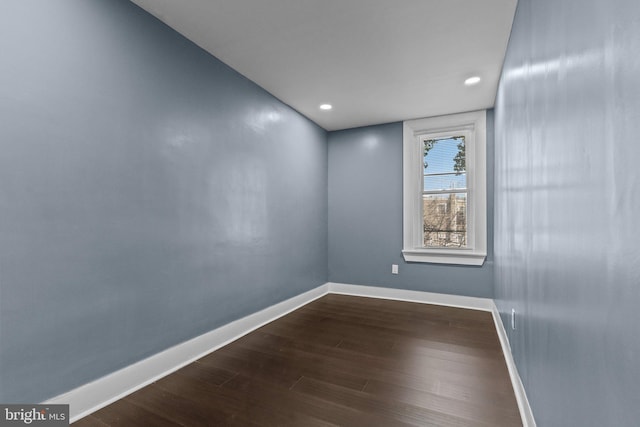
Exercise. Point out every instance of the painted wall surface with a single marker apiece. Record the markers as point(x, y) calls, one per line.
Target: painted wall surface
point(148, 194)
point(365, 217)
point(567, 208)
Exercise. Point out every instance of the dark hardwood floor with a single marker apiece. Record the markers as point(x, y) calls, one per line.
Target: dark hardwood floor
point(339, 361)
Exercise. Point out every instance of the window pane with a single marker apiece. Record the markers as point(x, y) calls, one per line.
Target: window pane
point(445, 220)
point(445, 182)
point(444, 155)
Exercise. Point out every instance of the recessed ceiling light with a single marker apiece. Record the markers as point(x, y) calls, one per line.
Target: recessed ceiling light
point(326, 107)
point(472, 81)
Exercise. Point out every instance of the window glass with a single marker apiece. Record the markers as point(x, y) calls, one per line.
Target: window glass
point(444, 195)
point(444, 220)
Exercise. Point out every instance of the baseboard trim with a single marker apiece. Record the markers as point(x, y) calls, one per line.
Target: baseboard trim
point(97, 394)
point(458, 301)
point(521, 395)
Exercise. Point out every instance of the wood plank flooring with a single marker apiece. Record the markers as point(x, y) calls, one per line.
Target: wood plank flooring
point(339, 361)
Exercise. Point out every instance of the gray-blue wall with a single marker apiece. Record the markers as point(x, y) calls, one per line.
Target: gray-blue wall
point(567, 208)
point(148, 194)
point(365, 217)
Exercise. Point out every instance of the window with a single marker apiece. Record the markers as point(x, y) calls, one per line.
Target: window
point(444, 205)
point(444, 191)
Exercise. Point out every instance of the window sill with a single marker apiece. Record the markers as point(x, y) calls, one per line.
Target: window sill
point(451, 256)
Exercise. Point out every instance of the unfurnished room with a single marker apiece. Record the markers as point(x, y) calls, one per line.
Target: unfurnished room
point(319, 213)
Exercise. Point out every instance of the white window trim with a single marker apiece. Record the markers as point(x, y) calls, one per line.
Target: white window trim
point(473, 124)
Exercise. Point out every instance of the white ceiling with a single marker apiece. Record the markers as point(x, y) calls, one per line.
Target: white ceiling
point(376, 61)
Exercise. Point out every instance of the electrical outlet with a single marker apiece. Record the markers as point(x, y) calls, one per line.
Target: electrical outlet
point(513, 319)
point(394, 268)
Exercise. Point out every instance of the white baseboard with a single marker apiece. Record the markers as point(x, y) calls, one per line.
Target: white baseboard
point(97, 394)
point(518, 387)
point(484, 304)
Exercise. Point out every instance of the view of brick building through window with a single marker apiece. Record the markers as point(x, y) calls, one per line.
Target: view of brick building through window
point(445, 222)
